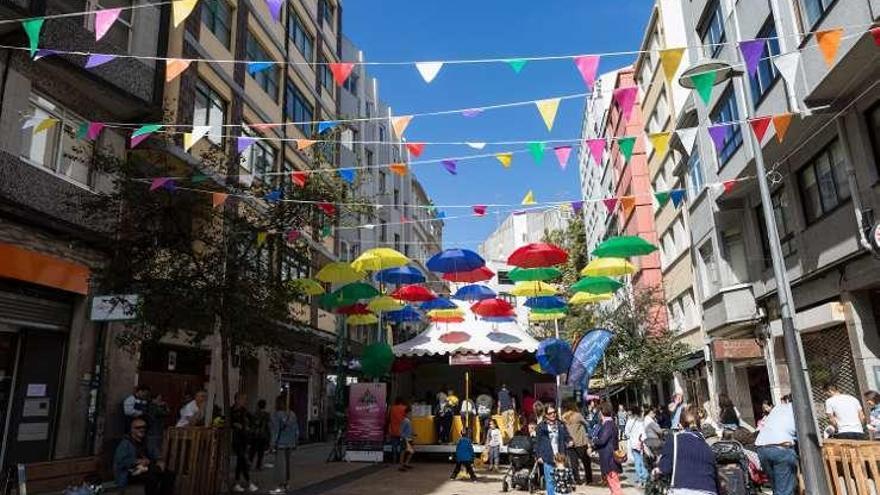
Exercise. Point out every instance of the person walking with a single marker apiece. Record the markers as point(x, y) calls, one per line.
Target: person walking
point(776, 446)
point(493, 443)
point(607, 443)
point(636, 444)
point(407, 436)
point(240, 421)
point(688, 460)
point(261, 431)
point(622, 419)
point(653, 443)
point(872, 400)
point(552, 439)
point(563, 481)
point(135, 463)
point(579, 452)
point(464, 456)
point(156, 415)
point(507, 410)
point(285, 438)
point(845, 414)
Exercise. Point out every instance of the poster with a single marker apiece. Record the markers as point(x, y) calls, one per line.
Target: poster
point(365, 437)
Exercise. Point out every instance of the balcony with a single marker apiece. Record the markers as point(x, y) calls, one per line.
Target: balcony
point(730, 309)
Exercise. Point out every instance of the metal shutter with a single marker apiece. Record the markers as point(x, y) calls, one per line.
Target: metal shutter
point(23, 310)
point(829, 358)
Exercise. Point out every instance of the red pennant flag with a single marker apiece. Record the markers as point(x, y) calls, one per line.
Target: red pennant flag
point(293, 235)
point(875, 32)
point(218, 198)
point(415, 149)
point(341, 71)
point(479, 210)
point(781, 123)
point(610, 204)
point(759, 127)
point(728, 185)
point(299, 178)
point(327, 208)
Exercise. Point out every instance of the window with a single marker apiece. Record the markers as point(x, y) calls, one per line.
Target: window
point(396, 196)
point(58, 149)
point(299, 109)
point(735, 254)
point(369, 109)
point(381, 134)
point(209, 109)
point(712, 30)
point(675, 311)
point(690, 310)
point(383, 231)
point(873, 118)
point(351, 84)
point(823, 182)
point(814, 10)
point(397, 241)
point(726, 111)
point(324, 74)
point(784, 227)
point(695, 175)
point(217, 17)
point(259, 157)
point(119, 33)
point(766, 73)
point(370, 158)
point(383, 189)
point(268, 77)
point(297, 32)
point(327, 12)
point(707, 269)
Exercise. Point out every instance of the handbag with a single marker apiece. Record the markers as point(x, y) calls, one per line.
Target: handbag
point(619, 455)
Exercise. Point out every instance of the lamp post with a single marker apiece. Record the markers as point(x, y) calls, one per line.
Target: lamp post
point(810, 452)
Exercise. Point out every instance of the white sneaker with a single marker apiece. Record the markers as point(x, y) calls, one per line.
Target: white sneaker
point(268, 465)
point(278, 491)
point(253, 488)
point(237, 488)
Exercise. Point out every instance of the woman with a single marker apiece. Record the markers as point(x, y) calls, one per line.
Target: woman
point(653, 438)
point(241, 421)
point(285, 435)
point(580, 451)
point(689, 460)
point(538, 411)
point(260, 434)
point(728, 416)
point(552, 438)
point(636, 444)
point(607, 443)
point(766, 407)
point(872, 400)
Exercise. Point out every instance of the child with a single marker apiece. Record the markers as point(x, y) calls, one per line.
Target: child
point(493, 443)
point(406, 436)
point(563, 478)
point(464, 456)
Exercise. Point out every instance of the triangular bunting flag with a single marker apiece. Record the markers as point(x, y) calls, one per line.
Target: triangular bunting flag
point(326, 126)
point(759, 127)
point(399, 124)
point(93, 130)
point(476, 145)
point(625, 98)
point(175, 67)
point(429, 70)
point(662, 197)
point(829, 42)
point(32, 28)
point(97, 59)
point(44, 52)
point(728, 185)
point(562, 154)
point(415, 149)
point(577, 206)
point(45, 125)
point(529, 198)
point(326, 231)
point(587, 65)
point(677, 196)
point(875, 32)
point(274, 9)
point(610, 204)
point(198, 132)
point(274, 196)
point(198, 179)
point(752, 50)
point(471, 112)
point(517, 64)
point(718, 133)
point(81, 130)
point(781, 123)
point(548, 109)
point(597, 149)
point(159, 182)
point(787, 65)
point(688, 137)
point(627, 203)
point(218, 198)
point(104, 20)
point(504, 158)
point(293, 235)
point(327, 208)
point(660, 142)
point(143, 132)
point(399, 168)
point(479, 210)
point(299, 178)
point(537, 151)
point(670, 59)
point(341, 71)
point(450, 166)
point(180, 10)
point(261, 238)
point(347, 175)
point(243, 143)
point(257, 67)
point(626, 145)
point(302, 144)
point(703, 83)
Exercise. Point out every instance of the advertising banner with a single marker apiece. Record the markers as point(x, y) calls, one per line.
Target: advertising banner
point(365, 437)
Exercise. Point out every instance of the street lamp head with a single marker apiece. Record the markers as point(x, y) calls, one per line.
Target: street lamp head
point(723, 71)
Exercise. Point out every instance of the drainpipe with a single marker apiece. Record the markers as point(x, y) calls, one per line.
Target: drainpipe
point(855, 194)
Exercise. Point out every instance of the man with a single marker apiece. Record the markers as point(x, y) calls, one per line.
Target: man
point(395, 418)
point(406, 436)
point(135, 405)
point(675, 409)
point(845, 414)
point(552, 439)
point(135, 463)
point(621, 422)
point(193, 413)
point(506, 410)
point(776, 449)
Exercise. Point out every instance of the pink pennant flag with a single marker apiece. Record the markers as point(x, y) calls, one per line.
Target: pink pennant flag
point(104, 20)
point(94, 130)
point(471, 112)
point(562, 154)
point(597, 149)
point(729, 185)
point(159, 182)
point(479, 210)
point(587, 65)
point(626, 99)
point(293, 235)
point(610, 204)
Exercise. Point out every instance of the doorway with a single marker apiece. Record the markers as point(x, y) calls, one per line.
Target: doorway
point(759, 385)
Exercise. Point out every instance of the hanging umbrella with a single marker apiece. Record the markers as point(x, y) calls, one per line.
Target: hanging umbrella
point(354, 309)
point(400, 275)
point(533, 316)
point(446, 319)
point(454, 337)
point(474, 292)
point(407, 314)
point(596, 285)
point(624, 247)
point(376, 360)
point(549, 311)
point(307, 286)
point(356, 319)
point(379, 259)
point(554, 356)
point(439, 303)
point(587, 298)
point(455, 260)
point(545, 302)
point(384, 304)
point(414, 293)
point(534, 274)
point(608, 267)
point(492, 307)
point(331, 302)
point(532, 289)
point(440, 313)
point(356, 290)
point(537, 255)
point(503, 338)
point(480, 274)
point(338, 273)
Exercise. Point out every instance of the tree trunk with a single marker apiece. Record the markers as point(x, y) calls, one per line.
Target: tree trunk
point(224, 373)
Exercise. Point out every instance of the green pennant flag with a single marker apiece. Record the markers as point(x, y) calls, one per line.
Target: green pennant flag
point(662, 197)
point(517, 64)
point(198, 178)
point(146, 129)
point(82, 131)
point(32, 27)
point(703, 83)
point(626, 145)
point(326, 231)
point(537, 150)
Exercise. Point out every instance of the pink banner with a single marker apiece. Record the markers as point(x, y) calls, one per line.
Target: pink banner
point(366, 412)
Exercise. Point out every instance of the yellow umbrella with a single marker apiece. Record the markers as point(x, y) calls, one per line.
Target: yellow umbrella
point(546, 316)
point(384, 303)
point(338, 273)
point(533, 289)
point(308, 286)
point(379, 259)
point(361, 320)
point(608, 267)
point(445, 313)
point(587, 298)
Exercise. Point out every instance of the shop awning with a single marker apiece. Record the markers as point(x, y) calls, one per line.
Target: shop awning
point(486, 337)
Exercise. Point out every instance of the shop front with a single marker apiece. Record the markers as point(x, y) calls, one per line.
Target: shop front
point(742, 374)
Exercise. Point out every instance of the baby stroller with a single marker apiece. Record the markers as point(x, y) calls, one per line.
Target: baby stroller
point(523, 472)
point(733, 468)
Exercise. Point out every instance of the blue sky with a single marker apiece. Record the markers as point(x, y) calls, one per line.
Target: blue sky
point(398, 30)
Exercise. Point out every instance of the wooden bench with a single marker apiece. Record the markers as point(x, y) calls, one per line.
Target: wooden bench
point(853, 466)
point(54, 476)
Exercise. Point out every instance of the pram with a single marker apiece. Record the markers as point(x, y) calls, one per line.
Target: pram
point(523, 472)
point(733, 469)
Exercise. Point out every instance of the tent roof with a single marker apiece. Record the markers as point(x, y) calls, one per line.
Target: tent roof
point(486, 337)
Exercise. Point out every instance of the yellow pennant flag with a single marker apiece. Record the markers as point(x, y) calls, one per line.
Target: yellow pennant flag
point(180, 10)
point(505, 159)
point(45, 124)
point(399, 168)
point(529, 199)
point(548, 110)
point(175, 67)
point(302, 144)
point(187, 141)
point(660, 142)
point(261, 238)
point(399, 124)
point(670, 59)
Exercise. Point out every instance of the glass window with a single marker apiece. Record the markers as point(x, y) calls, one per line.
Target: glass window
point(784, 227)
point(302, 40)
point(383, 188)
point(814, 10)
point(766, 73)
point(325, 75)
point(217, 17)
point(726, 111)
point(383, 231)
point(119, 33)
point(735, 254)
point(873, 118)
point(58, 148)
point(209, 109)
point(712, 30)
point(327, 12)
point(351, 84)
point(299, 109)
point(823, 182)
point(266, 78)
point(707, 268)
point(381, 134)
point(259, 159)
point(695, 175)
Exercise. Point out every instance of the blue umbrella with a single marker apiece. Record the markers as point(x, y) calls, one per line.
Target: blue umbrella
point(400, 275)
point(408, 313)
point(546, 302)
point(455, 260)
point(474, 292)
point(554, 356)
point(439, 303)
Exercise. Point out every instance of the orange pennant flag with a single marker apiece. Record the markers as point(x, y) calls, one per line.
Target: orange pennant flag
point(781, 123)
point(174, 68)
point(264, 128)
point(302, 144)
point(218, 198)
point(399, 124)
point(829, 42)
point(628, 203)
point(399, 168)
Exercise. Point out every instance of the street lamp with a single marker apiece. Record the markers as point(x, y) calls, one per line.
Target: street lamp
point(812, 465)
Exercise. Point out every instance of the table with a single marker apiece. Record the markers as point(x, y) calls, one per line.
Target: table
point(423, 428)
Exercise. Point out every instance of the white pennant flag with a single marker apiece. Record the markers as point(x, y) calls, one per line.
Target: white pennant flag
point(787, 65)
point(687, 136)
point(347, 138)
point(32, 122)
point(198, 132)
point(476, 146)
point(429, 70)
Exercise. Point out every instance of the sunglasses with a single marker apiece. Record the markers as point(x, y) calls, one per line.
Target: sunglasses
point(139, 428)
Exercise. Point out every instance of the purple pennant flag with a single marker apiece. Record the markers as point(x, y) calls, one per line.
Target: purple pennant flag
point(244, 142)
point(274, 9)
point(718, 133)
point(577, 206)
point(450, 166)
point(752, 50)
point(471, 112)
point(44, 52)
point(97, 59)
point(159, 182)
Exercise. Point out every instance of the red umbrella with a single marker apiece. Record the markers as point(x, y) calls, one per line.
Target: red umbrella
point(454, 337)
point(414, 293)
point(537, 255)
point(447, 319)
point(480, 274)
point(492, 307)
point(354, 309)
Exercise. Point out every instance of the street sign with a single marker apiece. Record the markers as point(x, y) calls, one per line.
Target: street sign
point(114, 308)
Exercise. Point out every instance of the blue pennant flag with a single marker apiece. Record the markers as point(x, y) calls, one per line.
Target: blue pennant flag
point(677, 196)
point(347, 175)
point(274, 196)
point(255, 67)
point(326, 126)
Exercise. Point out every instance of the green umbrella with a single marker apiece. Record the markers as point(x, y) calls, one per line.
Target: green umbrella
point(533, 274)
point(596, 285)
point(356, 290)
point(332, 301)
point(549, 311)
point(376, 360)
point(624, 247)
